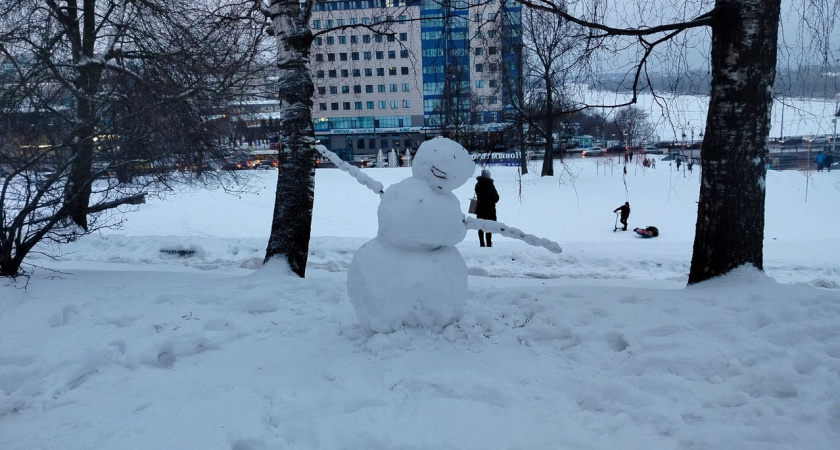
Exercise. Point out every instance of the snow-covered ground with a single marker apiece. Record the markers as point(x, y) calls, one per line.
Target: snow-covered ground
point(122, 346)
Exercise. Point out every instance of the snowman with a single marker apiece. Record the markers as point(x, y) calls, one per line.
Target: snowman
point(411, 274)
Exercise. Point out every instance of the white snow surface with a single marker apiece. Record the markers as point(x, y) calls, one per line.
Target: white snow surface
point(122, 346)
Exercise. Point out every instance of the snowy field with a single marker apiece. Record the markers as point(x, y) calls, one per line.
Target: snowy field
point(122, 346)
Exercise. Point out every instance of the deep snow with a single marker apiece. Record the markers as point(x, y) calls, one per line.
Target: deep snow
point(122, 346)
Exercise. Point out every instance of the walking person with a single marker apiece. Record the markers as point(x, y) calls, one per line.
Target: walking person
point(828, 161)
point(487, 196)
point(625, 213)
point(820, 160)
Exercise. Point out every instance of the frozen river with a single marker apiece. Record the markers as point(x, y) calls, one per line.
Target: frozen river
point(674, 115)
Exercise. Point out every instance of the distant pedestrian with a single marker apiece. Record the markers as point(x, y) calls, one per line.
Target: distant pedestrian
point(828, 161)
point(679, 162)
point(625, 213)
point(690, 165)
point(820, 160)
point(487, 196)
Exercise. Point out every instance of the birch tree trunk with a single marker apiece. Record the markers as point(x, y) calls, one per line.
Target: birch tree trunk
point(291, 223)
point(730, 219)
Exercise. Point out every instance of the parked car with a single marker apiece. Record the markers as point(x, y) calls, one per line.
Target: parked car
point(593, 151)
point(616, 148)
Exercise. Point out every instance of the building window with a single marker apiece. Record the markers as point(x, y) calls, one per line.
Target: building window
point(392, 71)
point(358, 105)
point(405, 87)
point(403, 54)
point(366, 39)
point(377, 38)
point(391, 38)
point(318, 41)
point(345, 105)
point(406, 103)
point(394, 104)
point(365, 20)
point(380, 54)
point(342, 56)
point(357, 89)
point(392, 54)
point(404, 70)
point(393, 87)
point(341, 22)
point(403, 37)
point(380, 88)
point(354, 39)
point(354, 56)
point(354, 21)
point(494, 83)
point(319, 74)
point(342, 40)
point(322, 106)
point(316, 24)
point(331, 57)
point(479, 67)
point(368, 89)
point(345, 73)
point(333, 73)
point(479, 84)
point(380, 72)
point(329, 23)
point(382, 104)
point(345, 89)
point(334, 90)
point(369, 105)
point(493, 100)
point(367, 56)
point(477, 18)
point(322, 90)
point(491, 50)
point(334, 106)
point(319, 57)
point(479, 51)
point(368, 72)
point(357, 73)
point(330, 40)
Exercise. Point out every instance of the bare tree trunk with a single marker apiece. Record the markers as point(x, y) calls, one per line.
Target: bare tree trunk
point(548, 160)
point(730, 220)
point(291, 224)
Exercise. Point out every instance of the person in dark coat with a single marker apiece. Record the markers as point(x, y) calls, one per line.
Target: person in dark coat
point(625, 213)
point(487, 196)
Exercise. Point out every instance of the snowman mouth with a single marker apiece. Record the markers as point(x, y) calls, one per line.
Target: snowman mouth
point(438, 173)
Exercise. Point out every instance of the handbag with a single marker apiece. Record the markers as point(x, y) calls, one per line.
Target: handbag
point(473, 205)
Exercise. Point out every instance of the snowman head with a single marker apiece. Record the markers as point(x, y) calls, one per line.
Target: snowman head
point(442, 163)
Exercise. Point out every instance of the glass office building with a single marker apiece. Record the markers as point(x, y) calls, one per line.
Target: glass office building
point(391, 73)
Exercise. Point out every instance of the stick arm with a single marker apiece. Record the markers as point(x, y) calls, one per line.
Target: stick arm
point(354, 171)
point(491, 226)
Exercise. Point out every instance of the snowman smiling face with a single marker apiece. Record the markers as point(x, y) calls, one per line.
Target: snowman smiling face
point(443, 164)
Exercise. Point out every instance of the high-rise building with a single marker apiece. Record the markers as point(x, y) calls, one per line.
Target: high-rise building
point(391, 73)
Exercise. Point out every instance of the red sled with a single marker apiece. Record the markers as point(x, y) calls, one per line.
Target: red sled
point(648, 232)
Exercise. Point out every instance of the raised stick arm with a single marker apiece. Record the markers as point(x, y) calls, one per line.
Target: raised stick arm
point(354, 171)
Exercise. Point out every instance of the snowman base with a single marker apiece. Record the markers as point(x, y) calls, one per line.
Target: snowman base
point(392, 287)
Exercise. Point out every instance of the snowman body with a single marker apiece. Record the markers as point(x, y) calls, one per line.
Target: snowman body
point(411, 274)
